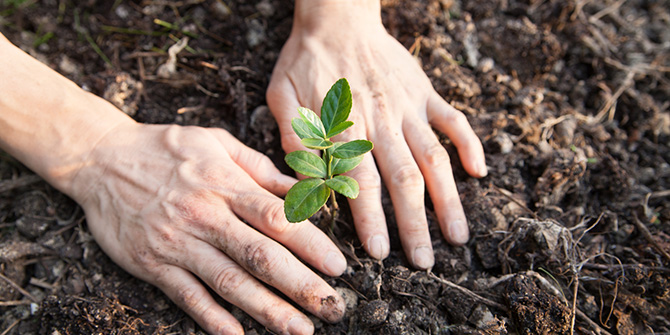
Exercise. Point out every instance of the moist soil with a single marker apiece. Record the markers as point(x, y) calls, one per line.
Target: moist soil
point(570, 229)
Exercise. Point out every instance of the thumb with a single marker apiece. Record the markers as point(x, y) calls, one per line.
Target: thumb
point(283, 103)
point(258, 166)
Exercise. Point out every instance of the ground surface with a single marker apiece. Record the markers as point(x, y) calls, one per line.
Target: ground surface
point(569, 97)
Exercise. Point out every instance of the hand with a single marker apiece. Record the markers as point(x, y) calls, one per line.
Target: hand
point(394, 107)
point(172, 204)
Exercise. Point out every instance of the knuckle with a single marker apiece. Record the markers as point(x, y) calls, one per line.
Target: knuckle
point(227, 280)
point(368, 180)
point(145, 257)
point(275, 219)
point(188, 297)
point(193, 209)
point(456, 116)
point(436, 156)
point(407, 175)
point(263, 261)
point(417, 232)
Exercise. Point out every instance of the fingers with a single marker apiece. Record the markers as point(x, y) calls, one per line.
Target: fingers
point(455, 125)
point(255, 164)
point(367, 209)
point(266, 213)
point(270, 262)
point(436, 169)
point(237, 286)
point(406, 187)
point(187, 292)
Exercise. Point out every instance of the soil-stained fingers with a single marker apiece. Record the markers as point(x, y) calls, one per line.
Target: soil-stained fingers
point(405, 183)
point(234, 284)
point(435, 166)
point(266, 213)
point(273, 264)
point(189, 294)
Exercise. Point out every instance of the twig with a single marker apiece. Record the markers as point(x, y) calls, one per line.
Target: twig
point(15, 302)
point(626, 266)
point(16, 322)
point(591, 323)
point(575, 291)
point(659, 194)
point(608, 10)
point(647, 235)
point(610, 105)
point(19, 288)
point(469, 293)
point(9, 185)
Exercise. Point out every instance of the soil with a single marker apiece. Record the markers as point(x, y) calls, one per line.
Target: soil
point(570, 230)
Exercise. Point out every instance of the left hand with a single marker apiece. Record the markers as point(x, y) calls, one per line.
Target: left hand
point(394, 107)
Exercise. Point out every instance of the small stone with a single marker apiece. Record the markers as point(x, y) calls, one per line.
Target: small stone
point(350, 298)
point(221, 10)
point(486, 64)
point(67, 66)
point(266, 8)
point(31, 227)
point(256, 33)
point(122, 11)
point(503, 142)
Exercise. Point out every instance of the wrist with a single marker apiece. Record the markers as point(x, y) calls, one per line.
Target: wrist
point(312, 16)
point(92, 119)
point(48, 122)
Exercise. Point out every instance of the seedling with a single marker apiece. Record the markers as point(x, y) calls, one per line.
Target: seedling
point(307, 196)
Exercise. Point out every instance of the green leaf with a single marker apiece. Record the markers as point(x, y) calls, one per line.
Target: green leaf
point(305, 198)
point(344, 185)
point(339, 166)
point(301, 128)
point(313, 122)
point(336, 105)
point(316, 143)
point(352, 149)
point(306, 163)
point(339, 128)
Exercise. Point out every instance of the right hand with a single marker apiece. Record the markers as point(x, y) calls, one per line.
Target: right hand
point(173, 204)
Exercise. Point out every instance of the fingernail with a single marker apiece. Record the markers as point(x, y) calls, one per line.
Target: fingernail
point(229, 330)
point(423, 257)
point(459, 232)
point(300, 325)
point(482, 170)
point(378, 246)
point(335, 263)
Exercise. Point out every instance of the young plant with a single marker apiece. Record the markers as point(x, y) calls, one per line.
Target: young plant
point(307, 196)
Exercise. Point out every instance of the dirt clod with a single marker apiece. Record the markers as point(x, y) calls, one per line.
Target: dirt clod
point(535, 311)
point(374, 313)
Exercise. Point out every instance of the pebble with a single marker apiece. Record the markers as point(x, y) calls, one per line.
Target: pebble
point(266, 8)
point(350, 298)
point(486, 64)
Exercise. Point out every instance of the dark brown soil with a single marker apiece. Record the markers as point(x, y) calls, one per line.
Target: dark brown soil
point(570, 99)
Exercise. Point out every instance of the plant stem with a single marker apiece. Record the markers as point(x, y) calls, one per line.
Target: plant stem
point(336, 208)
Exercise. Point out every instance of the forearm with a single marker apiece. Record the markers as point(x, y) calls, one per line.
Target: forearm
point(46, 121)
point(313, 14)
